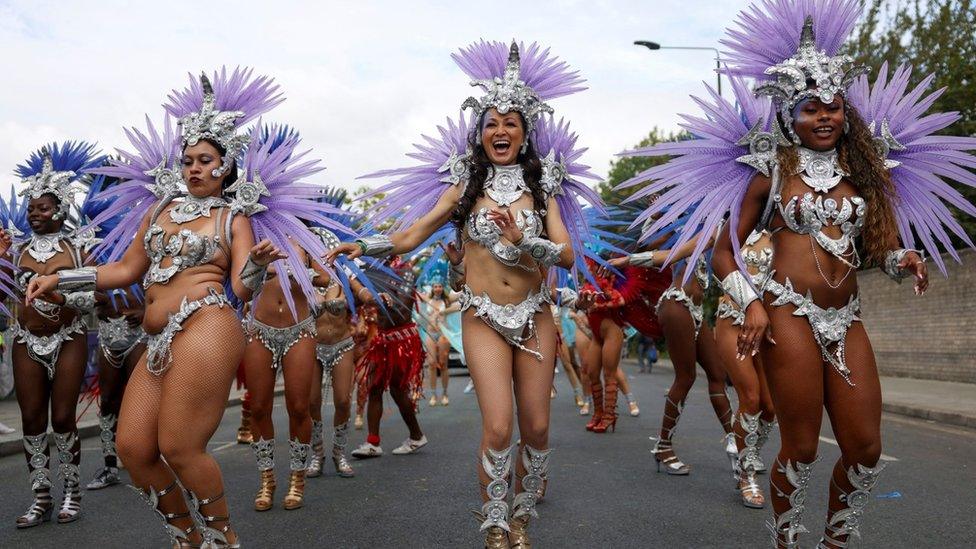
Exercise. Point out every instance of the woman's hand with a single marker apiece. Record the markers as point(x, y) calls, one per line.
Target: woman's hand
point(454, 255)
point(753, 329)
point(5, 241)
point(506, 224)
point(42, 287)
point(619, 262)
point(913, 263)
point(351, 250)
point(586, 300)
point(264, 253)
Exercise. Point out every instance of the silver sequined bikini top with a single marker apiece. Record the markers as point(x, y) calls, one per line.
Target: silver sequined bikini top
point(809, 214)
point(483, 231)
point(336, 306)
point(186, 248)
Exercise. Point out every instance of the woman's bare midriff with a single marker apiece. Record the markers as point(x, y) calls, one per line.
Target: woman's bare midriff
point(28, 317)
point(163, 300)
point(330, 328)
point(271, 306)
point(485, 273)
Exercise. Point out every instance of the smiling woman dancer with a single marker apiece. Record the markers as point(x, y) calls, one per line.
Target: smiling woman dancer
point(511, 194)
point(49, 352)
point(855, 170)
point(186, 246)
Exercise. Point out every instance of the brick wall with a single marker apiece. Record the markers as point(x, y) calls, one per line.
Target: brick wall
point(928, 337)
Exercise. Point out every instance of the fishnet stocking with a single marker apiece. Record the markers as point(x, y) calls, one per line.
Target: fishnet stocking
point(175, 415)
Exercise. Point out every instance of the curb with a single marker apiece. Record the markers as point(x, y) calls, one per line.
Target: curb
point(947, 418)
point(91, 429)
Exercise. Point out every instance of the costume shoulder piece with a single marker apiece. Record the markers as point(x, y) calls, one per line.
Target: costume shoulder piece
point(919, 161)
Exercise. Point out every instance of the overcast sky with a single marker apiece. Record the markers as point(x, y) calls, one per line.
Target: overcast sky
point(362, 79)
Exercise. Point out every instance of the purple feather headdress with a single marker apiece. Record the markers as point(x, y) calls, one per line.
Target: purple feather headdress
point(918, 159)
point(516, 78)
point(786, 44)
point(272, 192)
point(710, 173)
point(148, 173)
point(216, 108)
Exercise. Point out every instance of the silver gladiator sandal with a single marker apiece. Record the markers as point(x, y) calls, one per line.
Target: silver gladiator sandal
point(340, 438)
point(497, 464)
point(536, 464)
point(179, 538)
point(672, 465)
point(787, 528)
point(70, 474)
point(318, 450)
point(765, 427)
point(213, 538)
point(746, 462)
point(108, 475)
point(844, 526)
point(40, 511)
point(264, 456)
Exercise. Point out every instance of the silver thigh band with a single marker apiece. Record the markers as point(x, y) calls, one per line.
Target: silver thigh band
point(514, 322)
point(727, 310)
point(158, 356)
point(279, 340)
point(329, 354)
point(829, 325)
point(679, 296)
point(47, 349)
point(117, 338)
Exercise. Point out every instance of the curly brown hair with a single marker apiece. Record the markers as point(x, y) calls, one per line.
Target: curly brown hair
point(858, 156)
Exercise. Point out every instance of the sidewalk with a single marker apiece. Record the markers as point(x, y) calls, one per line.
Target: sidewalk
point(940, 401)
point(87, 423)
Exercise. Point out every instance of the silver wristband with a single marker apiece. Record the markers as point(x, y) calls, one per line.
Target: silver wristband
point(252, 275)
point(80, 301)
point(642, 259)
point(545, 252)
point(77, 280)
point(739, 290)
point(377, 245)
point(894, 257)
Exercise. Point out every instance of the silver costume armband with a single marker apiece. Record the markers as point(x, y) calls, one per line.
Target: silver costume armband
point(377, 245)
point(252, 275)
point(894, 257)
point(642, 259)
point(80, 301)
point(77, 280)
point(545, 252)
point(739, 290)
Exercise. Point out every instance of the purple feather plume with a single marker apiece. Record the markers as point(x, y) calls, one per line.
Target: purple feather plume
point(703, 178)
point(768, 32)
point(920, 161)
point(239, 91)
point(546, 74)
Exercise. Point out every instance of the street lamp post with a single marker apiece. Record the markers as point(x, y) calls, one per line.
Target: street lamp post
point(718, 56)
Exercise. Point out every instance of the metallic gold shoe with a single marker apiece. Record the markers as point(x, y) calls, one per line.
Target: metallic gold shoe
point(244, 435)
point(265, 498)
point(518, 535)
point(296, 491)
point(495, 536)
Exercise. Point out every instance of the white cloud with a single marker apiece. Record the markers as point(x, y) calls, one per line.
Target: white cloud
point(363, 79)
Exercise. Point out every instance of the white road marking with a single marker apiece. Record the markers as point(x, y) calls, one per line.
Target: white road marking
point(885, 457)
point(224, 446)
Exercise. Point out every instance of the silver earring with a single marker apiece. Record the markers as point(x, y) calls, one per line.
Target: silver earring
point(847, 127)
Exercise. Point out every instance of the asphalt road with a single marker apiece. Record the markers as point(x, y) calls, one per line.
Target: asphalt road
point(603, 492)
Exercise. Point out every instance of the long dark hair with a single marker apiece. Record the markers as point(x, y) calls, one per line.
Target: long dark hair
point(480, 169)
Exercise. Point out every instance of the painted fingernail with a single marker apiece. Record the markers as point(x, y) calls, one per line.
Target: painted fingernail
point(755, 351)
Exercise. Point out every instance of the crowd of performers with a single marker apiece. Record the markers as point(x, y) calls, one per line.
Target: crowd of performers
point(203, 253)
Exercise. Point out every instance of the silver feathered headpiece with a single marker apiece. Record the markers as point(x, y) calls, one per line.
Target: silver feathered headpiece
point(831, 75)
point(49, 181)
point(210, 123)
point(508, 93)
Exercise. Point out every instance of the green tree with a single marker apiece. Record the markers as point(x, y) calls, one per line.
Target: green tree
point(626, 167)
point(934, 36)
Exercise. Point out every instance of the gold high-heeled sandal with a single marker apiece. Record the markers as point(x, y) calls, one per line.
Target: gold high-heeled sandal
point(265, 498)
point(296, 491)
